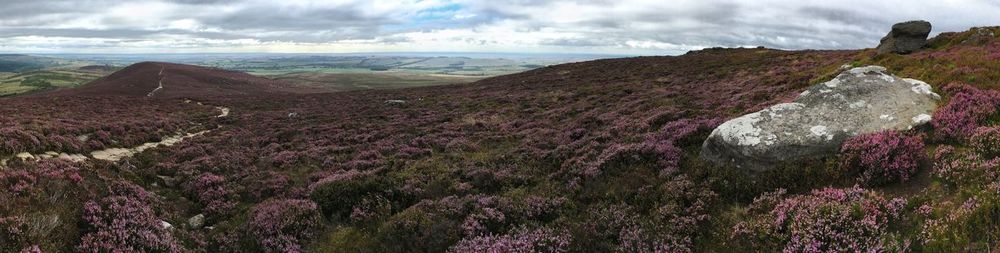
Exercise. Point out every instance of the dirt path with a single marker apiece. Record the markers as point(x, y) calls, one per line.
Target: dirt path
point(160, 83)
point(116, 154)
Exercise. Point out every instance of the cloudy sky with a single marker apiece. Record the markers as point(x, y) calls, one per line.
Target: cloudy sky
point(640, 27)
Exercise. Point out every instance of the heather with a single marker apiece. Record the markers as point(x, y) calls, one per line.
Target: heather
point(968, 109)
point(124, 221)
point(826, 220)
point(986, 141)
point(87, 124)
point(883, 157)
point(283, 225)
point(581, 157)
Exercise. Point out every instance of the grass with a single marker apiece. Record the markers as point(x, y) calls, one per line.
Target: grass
point(14, 84)
point(346, 81)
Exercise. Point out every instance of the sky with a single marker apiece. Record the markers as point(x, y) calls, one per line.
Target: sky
point(629, 27)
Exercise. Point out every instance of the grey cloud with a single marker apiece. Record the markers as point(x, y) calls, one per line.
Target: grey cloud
point(788, 24)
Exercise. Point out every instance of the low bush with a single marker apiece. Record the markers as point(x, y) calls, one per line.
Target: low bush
point(967, 110)
point(986, 141)
point(827, 220)
point(337, 195)
point(520, 240)
point(883, 157)
point(283, 225)
point(969, 227)
point(124, 222)
point(964, 167)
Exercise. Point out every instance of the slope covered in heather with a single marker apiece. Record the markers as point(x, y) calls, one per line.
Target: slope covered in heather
point(171, 81)
point(582, 157)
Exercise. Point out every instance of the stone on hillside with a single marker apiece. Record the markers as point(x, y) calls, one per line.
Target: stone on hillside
point(166, 225)
point(858, 101)
point(169, 181)
point(905, 37)
point(196, 221)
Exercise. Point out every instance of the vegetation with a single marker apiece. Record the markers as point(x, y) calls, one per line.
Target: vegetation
point(373, 80)
point(48, 79)
point(581, 157)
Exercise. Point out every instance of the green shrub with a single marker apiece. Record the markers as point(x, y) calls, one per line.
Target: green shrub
point(337, 198)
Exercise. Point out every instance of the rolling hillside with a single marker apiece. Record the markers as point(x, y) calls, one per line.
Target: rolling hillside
point(171, 81)
point(597, 156)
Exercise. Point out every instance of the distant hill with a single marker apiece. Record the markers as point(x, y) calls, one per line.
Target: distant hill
point(22, 63)
point(168, 80)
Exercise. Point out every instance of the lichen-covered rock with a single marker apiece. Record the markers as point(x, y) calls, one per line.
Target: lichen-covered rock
point(905, 37)
point(858, 101)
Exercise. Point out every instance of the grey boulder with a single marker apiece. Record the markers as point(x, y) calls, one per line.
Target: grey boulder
point(905, 38)
point(196, 221)
point(858, 101)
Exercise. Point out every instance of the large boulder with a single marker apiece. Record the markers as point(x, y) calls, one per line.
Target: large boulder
point(905, 37)
point(858, 101)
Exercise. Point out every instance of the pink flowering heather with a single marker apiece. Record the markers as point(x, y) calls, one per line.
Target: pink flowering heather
point(283, 225)
point(32, 249)
point(24, 179)
point(968, 109)
point(986, 141)
point(827, 220)
point(371, 207)
point(883, 157)
point(213, 194)
point(963, 167)
point(671, 225)
point(951, 230)
point(660, 147)
point(519, 240)
point(124, 222)
point(13, 232)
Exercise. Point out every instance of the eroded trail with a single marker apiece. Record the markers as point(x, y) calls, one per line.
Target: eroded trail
point(116, 154)
point(159, 84)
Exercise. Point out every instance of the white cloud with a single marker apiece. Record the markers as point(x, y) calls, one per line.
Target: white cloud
point(582, 26)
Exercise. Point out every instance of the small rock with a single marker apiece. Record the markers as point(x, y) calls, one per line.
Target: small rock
point(905, 38)
point(166, 225)
point(980, 36)
point(395, 102)
point(197, 221)
point(25, 156)
point(169, 181)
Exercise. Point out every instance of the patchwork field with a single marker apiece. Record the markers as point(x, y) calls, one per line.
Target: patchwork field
point(371, 80)
point(41, 80)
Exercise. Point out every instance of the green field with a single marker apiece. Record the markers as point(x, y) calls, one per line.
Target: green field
point(364, 80)
point(34, 81)
point(328, 72)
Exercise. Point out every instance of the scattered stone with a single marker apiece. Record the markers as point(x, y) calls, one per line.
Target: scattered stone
point(293, 115)
point(905, 38)
point(25, 156)
point(72, 157)
point(197, 221)
point(980, 36)
point(395, 102)
point(858, 101)
point(166, 225)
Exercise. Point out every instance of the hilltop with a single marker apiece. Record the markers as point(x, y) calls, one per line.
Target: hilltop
point(581, 157)
point(160, 80)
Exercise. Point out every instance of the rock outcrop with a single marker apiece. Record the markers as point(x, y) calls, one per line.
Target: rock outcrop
point(858, 101)
point(905, 37)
